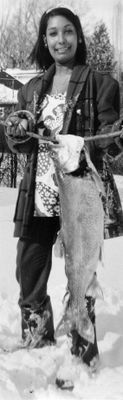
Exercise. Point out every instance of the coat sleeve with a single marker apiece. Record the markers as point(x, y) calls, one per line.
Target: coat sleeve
point(4, 148)
point(107, 105)
point(21, 98)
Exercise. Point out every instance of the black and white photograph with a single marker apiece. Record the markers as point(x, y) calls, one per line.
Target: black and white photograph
point(61, 200)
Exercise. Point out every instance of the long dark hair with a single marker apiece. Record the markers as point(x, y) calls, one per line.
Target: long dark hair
point(40, 54)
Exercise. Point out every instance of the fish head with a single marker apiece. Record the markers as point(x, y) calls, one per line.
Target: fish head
point(66, 153)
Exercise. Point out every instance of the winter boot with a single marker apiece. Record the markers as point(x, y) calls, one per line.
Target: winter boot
point(82, 348)
point(37, 326)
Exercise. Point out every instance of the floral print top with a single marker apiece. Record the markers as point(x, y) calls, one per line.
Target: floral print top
point(46, 189)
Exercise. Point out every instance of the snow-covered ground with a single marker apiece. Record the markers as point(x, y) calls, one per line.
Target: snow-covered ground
point(31, 374)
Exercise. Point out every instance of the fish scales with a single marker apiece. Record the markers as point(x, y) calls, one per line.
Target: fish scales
point(82, 227)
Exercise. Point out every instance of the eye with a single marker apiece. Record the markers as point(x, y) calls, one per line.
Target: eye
point(53, 33)
point(68, 31)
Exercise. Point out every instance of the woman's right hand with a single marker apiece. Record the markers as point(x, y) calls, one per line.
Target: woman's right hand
point(16, 126)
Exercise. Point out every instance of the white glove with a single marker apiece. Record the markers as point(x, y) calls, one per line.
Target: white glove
point(66, 153)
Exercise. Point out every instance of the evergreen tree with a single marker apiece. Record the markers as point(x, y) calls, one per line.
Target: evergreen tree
point(100, 51)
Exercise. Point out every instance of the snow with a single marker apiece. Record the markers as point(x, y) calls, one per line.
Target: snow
point(23, 75)
point(30, 374)
point(7, 95)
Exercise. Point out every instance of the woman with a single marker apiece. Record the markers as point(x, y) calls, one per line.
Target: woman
point(71, 99)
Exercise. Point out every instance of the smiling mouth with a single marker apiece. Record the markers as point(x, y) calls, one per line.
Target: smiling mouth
point(62, 50)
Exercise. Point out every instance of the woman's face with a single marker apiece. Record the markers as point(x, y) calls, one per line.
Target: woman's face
point(61, 38)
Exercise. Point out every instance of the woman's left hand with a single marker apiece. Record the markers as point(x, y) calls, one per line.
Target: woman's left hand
point(117, 126)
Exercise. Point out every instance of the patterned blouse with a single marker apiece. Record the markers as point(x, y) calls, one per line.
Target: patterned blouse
point(46, 190)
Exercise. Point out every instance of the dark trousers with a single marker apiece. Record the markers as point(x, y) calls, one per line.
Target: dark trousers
point(34, 260)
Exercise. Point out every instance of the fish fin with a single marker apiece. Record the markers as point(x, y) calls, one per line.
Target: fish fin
point(102, 256)
point(79, 320)
point(95, 175)
point(76, 320)
point(85, 329)
point(94, 289)
point(58, 247)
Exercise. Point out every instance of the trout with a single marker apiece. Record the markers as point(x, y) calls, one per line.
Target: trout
point(82, 229)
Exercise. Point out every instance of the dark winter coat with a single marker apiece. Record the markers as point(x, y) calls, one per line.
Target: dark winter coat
point(92, 106)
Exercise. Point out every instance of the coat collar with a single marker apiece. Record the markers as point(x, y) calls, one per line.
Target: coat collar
point(76, 85)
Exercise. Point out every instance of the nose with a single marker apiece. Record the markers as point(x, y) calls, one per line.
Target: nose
point(61, 37)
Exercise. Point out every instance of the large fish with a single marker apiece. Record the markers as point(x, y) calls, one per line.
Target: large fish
point(82, 228)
